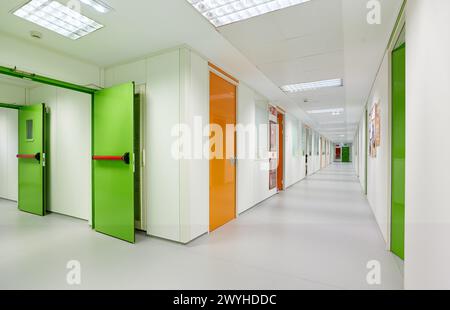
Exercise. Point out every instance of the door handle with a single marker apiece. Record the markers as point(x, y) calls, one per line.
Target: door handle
point(232, 161)
point(125, 158)
point(36, 156)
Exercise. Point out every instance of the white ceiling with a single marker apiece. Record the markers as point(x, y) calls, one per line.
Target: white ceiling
point(320, 40)
point(317, 40)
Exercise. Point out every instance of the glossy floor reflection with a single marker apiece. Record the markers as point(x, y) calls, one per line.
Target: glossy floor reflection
point(319, 234)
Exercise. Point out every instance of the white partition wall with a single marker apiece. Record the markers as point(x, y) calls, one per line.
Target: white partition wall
point(194, 205)
point(246, 148)
point(294, 159)
point(8, 152)
point(261, 173)
point(177, 189)
point(11, 92)
point(427, 211)
point(252, 148)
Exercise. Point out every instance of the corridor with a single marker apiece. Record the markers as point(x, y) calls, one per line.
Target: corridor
point(319, 234)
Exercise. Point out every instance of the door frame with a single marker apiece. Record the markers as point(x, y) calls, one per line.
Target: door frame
point(399, 27)
point(14, 72)
point(141, 90)
point(11, 106)
point(281, 149)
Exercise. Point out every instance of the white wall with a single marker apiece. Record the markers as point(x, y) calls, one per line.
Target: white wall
point(378, 185)
point(34, 59)
point(8, 151)
point(294, 160)
point(163, 171)
point(69, 155)
point(261, 166)
point(194, 207)
point(246, 150)
point(12, 94)
point(427, 234)
point(362, 152)
point(253, 162)
point(314, 159)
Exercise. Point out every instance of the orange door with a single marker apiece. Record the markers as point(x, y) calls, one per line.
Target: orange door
point(280, 171)
point(222, 181)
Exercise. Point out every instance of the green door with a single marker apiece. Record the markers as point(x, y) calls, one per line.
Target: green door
point(345, 155)
point(398, 152)
point(113, 161)
point(31, 157)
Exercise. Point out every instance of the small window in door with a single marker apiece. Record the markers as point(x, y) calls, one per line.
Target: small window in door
point(29, 125)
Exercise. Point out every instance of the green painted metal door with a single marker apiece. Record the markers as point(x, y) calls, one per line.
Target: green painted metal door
point(345, 155)
point(398, 151)
point(31, 157)
point(113, 161)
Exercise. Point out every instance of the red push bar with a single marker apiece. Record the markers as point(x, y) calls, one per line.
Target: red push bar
point(118, 158)
point(125, 158)
point(26, 156)
point(29, 156)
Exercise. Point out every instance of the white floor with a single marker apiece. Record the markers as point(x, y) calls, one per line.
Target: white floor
point(319, 234)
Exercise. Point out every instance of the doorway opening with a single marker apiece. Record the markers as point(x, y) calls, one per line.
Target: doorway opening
point(58, 125)
point(53, 145)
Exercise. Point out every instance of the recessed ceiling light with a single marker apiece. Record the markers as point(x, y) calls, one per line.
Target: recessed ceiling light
point(332, 111)
point(294, 88)
point(58, 18)
point(98, 5)
point(223, 12)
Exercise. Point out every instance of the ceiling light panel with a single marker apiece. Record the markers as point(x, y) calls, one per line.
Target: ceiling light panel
point(98, 5)
point(295, 88)
point(223, 12)
point(324, 111)
point(58, 18)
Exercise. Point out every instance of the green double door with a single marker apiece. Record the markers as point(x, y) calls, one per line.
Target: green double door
point(345, 155)
point(114, 162)
point(31, 157)
point(398, 151)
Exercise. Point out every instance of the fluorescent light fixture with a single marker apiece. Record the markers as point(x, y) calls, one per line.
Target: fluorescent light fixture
point(223, 12)
point(58, 18)
point(324, 111)
point(295, 88)
point(98, 5)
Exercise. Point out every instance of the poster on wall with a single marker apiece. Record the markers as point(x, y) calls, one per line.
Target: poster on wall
point(374, 129)
point(377, 124)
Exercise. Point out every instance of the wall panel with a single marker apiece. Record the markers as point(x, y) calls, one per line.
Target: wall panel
point(69, 153)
